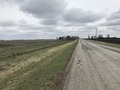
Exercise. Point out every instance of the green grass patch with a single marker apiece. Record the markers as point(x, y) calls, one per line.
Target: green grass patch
point(43, 77)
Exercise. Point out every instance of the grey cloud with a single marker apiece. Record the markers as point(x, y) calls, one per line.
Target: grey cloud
point(113, 19)
point(53, 11)
point(11, 1)
point(111, 23)
point(44, 8)
point(48, 10)
point(22, 22)
point(70, 24)
point(114, 16)
point(33, 27)
point(50, 21)
point(7, 23)
point(116, 28)
point(80, 16)
point(25, 26)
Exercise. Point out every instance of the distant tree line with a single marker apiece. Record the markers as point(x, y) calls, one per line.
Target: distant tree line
point(101, 37)
point(105, 39)
point(68, 38)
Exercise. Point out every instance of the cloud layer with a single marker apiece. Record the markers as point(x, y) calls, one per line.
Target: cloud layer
point(113, 19)
point(80, 16)
point(48, 11)
point(52, 18)
point(51, 12)
point(7, 23)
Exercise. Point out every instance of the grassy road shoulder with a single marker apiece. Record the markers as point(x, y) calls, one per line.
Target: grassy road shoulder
point(107, 44)
point(43, 75)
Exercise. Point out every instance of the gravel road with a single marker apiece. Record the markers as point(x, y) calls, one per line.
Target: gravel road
point(94, 67)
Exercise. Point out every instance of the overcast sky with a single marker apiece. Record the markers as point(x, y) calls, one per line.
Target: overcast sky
point(47, 19)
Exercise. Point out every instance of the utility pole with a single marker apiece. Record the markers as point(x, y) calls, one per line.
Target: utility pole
point(96, 32)
point(88, 36)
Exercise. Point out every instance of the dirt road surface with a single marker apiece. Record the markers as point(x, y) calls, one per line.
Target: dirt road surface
point(94, 67)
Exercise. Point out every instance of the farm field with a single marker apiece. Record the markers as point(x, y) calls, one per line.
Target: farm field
point(33, 64)
point(15, 48)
